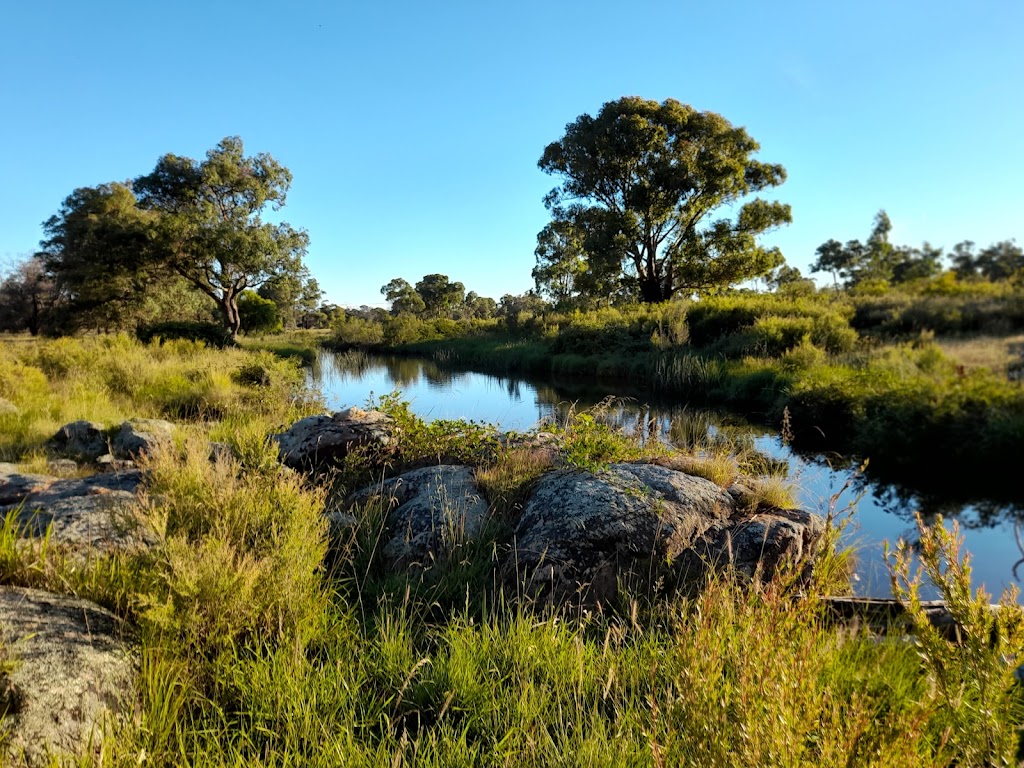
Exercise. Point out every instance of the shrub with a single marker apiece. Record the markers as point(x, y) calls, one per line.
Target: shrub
point(211, 334)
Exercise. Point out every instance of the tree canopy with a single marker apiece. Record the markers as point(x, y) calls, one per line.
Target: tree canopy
point(209, 227)
point(640, 182)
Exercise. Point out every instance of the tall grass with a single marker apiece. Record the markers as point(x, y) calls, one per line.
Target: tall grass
point(257, 648)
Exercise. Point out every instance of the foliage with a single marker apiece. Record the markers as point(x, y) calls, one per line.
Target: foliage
point(639, 181)
point(257, 314)
point(211, 334)
point(94, 249)
point(208, 225)
point(254, 652)
point(27, 295)
point(296, 296)
point(972, 680)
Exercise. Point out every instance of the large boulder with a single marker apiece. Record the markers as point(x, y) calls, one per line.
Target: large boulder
point(139, 436)
point(430, 512)
point(84, 440)
point(86, 515)
point(755, 546)
point(15, 485)
point(321, 441)
point(584, 535)
point(73, 673)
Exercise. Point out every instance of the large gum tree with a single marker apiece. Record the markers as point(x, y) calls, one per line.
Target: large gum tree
point(210, 227)
point(644, 182)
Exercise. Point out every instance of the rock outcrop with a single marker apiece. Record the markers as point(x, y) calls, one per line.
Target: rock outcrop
point(72, 674)
point(582, 534)
point(89, 441)
point(429, 513)
point(88, 515)
point(81, 440)
point(139, 436)
point(321, 441)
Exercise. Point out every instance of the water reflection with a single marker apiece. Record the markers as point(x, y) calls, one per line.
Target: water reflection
point(825, 481)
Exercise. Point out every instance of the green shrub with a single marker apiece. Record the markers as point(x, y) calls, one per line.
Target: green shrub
point(211, 334)
point(257, 314)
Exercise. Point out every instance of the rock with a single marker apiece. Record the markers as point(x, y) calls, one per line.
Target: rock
point(73, 673)
point(86, 515)
point(6, 406)
point(62, 467)
point(430, 512)
point(754, 547)
point(583, 535)
point(321, 441)
point(139, 436)
point(15, 486)
point(84, 440)
point(108, 463)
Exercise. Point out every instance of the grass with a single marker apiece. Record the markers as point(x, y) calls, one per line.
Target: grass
point(863, 376)
point(992, 353)
point(257, 648)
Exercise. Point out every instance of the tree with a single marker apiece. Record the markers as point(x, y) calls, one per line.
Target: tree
point(643, 179)
point(479, 307)
point(95, 250)
point(441, 297)
point(561, 262)
point(403, 297)
point(1000, 261)
point(964, 263)
point(209, 227)
point(26, 294)
point(917, 263)
point(296, 295)
point(834, 258)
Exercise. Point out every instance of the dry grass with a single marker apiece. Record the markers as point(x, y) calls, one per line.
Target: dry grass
point(991, 352)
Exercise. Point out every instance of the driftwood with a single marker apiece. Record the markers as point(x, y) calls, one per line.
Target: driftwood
point(885, 613)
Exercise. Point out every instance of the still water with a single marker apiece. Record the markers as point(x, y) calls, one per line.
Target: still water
point(882, 512)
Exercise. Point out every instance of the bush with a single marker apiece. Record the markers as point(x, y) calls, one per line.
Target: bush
point(257, 314)
point(211, 334)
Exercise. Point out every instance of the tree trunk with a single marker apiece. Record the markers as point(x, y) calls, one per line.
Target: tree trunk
point(228, 306)
point(651, 290)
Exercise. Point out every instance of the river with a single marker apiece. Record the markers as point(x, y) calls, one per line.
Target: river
point(882, 512)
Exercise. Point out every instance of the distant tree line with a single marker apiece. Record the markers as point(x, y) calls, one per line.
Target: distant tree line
point(436, 296)
point(878, 262)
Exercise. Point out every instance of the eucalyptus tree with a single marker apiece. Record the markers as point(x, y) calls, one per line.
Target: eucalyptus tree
point(209, 225)
point(644, 182)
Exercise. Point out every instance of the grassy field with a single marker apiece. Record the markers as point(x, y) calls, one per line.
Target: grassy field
point(259, 647)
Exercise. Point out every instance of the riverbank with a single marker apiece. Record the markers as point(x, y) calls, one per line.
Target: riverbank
point(258, 642)
point(921, 417)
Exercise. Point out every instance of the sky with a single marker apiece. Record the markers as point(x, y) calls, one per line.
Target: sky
point(413, 129)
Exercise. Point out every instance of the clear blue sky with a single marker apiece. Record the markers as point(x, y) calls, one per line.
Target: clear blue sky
point(413, 129)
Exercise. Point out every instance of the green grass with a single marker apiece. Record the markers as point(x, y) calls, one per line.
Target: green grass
point(258, 649)
point(889, 392)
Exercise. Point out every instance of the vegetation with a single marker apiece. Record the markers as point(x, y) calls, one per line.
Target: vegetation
point(632, 214)
point(183, 243)
point(260, 648)
point(861, 374)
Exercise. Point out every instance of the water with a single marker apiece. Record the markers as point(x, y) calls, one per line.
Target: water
point(883, 512)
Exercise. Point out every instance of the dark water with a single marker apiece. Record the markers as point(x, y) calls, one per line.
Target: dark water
point(882, 513)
